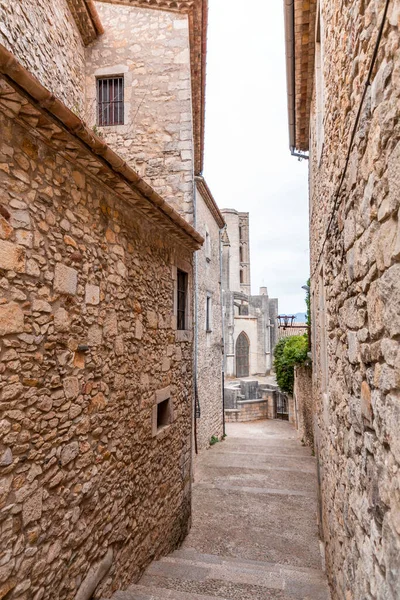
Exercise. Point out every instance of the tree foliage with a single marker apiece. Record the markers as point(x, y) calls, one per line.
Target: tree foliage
point(289, 352)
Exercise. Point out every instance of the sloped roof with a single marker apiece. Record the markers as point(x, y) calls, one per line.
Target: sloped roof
point(23, 97)
point(210, 202)
point(86, 18)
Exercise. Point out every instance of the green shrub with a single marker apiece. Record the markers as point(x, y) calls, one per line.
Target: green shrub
point(289, 352)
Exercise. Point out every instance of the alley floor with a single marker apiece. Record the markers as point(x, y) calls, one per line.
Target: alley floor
point(254, 533)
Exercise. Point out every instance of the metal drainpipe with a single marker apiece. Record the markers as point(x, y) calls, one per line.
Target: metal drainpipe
point(196, 304)
point(223, 334)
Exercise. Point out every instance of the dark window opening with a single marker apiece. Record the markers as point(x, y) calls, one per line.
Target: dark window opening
point(182, 299)
point(243, 310)
point(241, 276)
point(208, 314)
point(241, 253)
point(163, 414)
point(110, 101)
point(240, 232)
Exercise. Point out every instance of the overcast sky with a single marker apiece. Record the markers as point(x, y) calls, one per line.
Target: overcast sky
point(248, 165)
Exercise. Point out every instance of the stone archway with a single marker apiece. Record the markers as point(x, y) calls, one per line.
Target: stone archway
point(242, 355)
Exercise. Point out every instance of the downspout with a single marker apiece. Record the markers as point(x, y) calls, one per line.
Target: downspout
point(196, 309)
point(223, 334)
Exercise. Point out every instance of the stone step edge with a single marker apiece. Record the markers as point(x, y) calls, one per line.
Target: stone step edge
point(159, 593)
point(186, 555)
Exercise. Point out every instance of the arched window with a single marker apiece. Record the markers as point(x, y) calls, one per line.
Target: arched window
point(242, 355)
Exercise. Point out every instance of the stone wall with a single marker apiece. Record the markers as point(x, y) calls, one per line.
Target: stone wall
point(45, 39)
point(248, 410)
point(237, 226)
point(355, 291)
point(209, 343)
point(304, 404)
point(150, 48)
point(88, 347)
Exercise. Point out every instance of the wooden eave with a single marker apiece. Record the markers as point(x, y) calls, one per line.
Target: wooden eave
point(86, 18)
point(24, 98)
point(197, 11)
point(300, 29)
point(210, 202)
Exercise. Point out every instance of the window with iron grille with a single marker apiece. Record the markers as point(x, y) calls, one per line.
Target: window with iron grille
point(110, 101)
point(182, 299)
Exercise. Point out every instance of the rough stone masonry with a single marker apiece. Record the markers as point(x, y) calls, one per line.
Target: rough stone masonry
point(88, 341)
point(355, 291)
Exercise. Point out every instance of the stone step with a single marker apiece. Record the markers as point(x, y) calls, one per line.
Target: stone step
point(187, 570)
point(141, 592)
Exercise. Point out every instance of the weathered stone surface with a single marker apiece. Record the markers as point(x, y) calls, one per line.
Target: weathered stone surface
point(11, 318)
point(69, 452)
point(78, 381)
point(32, 508)
point(41, 306)
point(6, 458)
point(92, 294)
point(65, 279)
point(12, 257)
point(6, 230)
point(355, 287)
point(95, 335)
point(61, 320)
point(56, 51)
point(71, 387)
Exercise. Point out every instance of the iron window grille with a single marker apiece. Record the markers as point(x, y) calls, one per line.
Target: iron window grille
point(110, 101)
point(182, 299)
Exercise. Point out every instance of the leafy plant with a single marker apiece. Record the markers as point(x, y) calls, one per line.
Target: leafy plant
point(289, 352)
point(214, 440)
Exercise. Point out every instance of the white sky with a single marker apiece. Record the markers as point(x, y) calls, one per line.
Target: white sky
point(248, 165)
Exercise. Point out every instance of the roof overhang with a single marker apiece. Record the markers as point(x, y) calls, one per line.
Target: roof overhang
point(209, 200)
point(300, 53)
point(197, 11)
point(87, 19)
point(23, 97)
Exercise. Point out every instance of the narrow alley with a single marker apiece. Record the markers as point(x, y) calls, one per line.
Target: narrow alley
point(254, 533)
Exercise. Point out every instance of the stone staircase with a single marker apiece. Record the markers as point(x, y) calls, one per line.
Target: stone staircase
point(189, 575)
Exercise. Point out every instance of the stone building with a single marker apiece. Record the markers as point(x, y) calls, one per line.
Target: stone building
point(344, 96)
point(208, 330)
point(250, 322)
point(100, 141)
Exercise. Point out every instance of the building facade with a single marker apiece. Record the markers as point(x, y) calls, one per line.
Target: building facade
point(250, 322)
point(100, 140)
point(344, 93)
point(209, 331)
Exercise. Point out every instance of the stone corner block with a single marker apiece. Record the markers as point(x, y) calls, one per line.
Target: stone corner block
point(65, 279)
point(92, 294)
point(12, 257)
point(11, 318)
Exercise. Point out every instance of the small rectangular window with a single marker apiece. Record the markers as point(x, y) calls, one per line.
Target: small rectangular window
point(241, 253)
point(182, 299)
point(208, 246)
point(110, 101)
point(163, 414)
point(241, 276)
point(208, 313)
